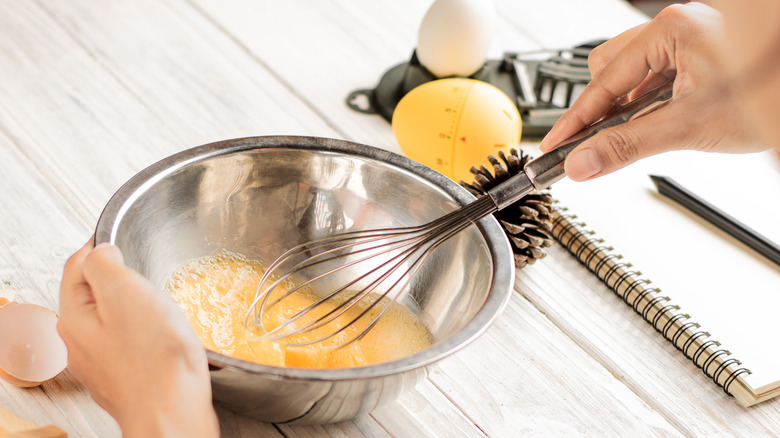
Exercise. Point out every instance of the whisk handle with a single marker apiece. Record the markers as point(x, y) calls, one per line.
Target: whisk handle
point(548, 169)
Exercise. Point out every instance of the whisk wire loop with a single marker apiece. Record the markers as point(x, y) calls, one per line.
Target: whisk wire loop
point(316, 260)
point(403, 247)
point(342, 307)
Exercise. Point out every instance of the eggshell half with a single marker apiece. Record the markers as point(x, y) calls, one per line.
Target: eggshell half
point(455, 36)
point(31, 350)
point(6, 296)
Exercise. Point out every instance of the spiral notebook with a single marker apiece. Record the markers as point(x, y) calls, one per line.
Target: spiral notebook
point(710, 295)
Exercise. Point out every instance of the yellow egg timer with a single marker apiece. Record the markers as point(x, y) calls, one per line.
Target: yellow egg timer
point(452, 124)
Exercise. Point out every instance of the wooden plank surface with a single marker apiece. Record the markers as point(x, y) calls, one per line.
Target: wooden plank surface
point(12, 426)
point(40, 231)
point(524, 377)
point(11, 423)
point(91, 93)
point(609, 331)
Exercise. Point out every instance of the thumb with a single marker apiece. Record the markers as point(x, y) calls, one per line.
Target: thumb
point(606, 152)
point(109, 253)
point(105, 272)
point(617, 147)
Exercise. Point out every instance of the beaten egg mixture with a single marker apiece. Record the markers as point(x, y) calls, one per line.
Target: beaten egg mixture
point(216, 291)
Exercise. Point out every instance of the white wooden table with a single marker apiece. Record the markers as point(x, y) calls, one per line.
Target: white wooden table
point(91, 92)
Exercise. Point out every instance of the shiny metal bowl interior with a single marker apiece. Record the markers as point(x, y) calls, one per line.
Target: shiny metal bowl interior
point(262, 195)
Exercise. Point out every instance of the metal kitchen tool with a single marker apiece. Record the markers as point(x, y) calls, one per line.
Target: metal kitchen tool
point(384, 260)
point(259, 196)
point(541, 83)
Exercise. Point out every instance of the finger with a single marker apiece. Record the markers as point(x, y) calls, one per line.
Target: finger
point(617, 147)
point(651, 82)
point(110, 253)
point(78, 316)
point(72, 273)
point(77, 363)
point(603, 53)
point(115, 286)
point(105, 272)
point(645, 53)
point(74, 291)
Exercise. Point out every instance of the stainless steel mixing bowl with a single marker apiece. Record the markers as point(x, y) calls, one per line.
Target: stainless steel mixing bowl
point(260, 196)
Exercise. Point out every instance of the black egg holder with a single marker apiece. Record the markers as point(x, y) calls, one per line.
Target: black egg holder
point(542, 84)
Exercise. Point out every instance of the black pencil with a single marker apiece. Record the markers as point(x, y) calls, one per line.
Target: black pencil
point(671, 189)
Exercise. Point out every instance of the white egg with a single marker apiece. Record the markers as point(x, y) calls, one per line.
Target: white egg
point(31, 350)
point(455, 36)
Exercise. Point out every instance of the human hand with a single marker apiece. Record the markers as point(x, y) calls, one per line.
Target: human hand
point(133, 348)
point(682, 45)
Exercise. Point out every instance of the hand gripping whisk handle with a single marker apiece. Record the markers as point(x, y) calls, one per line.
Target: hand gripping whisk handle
point(548, 168)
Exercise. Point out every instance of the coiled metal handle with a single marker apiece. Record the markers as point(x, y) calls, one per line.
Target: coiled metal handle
point(548, 169)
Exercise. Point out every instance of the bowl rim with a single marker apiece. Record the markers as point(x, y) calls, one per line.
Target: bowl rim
point(502, 283)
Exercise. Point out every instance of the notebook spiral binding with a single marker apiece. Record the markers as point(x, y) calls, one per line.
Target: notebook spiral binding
point(648, 302)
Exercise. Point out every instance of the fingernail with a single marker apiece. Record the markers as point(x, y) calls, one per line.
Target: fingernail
point(582, 165)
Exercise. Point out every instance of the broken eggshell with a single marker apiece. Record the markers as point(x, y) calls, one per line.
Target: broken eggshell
point(6, 296)
point(31, 350)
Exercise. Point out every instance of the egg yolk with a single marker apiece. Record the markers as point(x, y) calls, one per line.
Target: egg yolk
point(216, 291)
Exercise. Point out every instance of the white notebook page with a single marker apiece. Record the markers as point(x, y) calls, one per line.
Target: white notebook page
point(728, 288)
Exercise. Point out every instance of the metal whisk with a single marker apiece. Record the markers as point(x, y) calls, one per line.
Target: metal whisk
point(386, 259)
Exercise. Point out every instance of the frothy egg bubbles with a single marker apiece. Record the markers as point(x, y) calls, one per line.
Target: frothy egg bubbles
point(216, 291)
